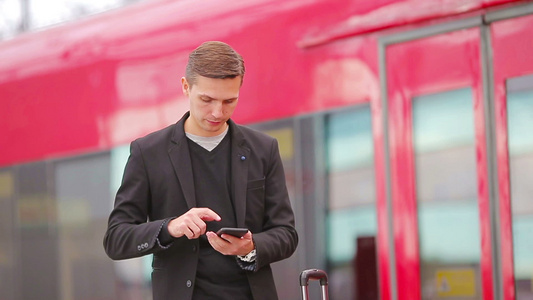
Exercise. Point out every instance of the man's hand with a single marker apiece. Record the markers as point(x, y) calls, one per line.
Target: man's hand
point(231, 245)
point(192, 223)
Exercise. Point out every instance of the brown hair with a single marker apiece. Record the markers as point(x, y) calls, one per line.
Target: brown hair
point(214, 60)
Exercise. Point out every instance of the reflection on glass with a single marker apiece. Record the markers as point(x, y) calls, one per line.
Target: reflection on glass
point(7, 245)
point(520, 123)
point(81, 187)
point(351, 220)
point(132, 275)
point(35, 236)
point(53, 216)
point(448, 218)
point(15, 13)
point(283, 132)
point(45, 13)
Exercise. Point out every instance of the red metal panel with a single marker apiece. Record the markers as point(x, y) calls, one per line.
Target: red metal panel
point(420, 67)
point(111, 78)
point(100, 82)
point(389, 14)
point(511, 41)
point(403, 190)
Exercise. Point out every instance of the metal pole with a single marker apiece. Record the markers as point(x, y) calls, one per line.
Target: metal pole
point(305, 293)
point(325, 295)
point(24, 16)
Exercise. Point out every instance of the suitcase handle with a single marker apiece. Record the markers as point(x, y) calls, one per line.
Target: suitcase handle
point(314, 274)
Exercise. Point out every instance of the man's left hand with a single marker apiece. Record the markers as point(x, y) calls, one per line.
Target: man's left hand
point(231, 245)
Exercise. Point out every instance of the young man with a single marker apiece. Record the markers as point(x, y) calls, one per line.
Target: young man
point(183, 183)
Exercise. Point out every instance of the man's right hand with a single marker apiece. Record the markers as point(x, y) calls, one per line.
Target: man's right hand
point(192, 223)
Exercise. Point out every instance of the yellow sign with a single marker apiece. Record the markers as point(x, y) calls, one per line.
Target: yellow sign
point(7, 185)
point(285, 137)
point(456, 282)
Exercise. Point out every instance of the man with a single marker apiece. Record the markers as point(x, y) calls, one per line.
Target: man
point(183, 183)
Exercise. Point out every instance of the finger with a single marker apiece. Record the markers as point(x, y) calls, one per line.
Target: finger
point(197, 225)
point(247, 236)
point(194, 223)
point(189, 224)
point(234, 239)
point(230, 238)
point(207, 214)
point(197, 229)
point(188, 233)
point(216, 242)
point(192, 226)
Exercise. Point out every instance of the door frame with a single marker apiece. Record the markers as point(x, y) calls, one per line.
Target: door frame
point(501, 208)
point(482, 21)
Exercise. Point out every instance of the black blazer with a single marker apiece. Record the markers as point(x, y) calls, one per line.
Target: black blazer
point(158, 185)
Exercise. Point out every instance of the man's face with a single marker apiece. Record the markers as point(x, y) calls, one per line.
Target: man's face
point(212, 102)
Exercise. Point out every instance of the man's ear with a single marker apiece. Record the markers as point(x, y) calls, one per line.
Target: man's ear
point(185, 86)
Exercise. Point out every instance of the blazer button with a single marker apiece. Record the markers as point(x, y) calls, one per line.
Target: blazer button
point(189, 283)
point(194, 248)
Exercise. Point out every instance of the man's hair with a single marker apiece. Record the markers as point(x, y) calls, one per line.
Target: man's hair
point(214, 60)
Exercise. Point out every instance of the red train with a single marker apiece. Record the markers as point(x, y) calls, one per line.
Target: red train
point(405, 128)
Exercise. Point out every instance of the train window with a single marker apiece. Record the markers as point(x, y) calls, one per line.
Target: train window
point(520, 139)
point(351, 220)
point(7, 239)
point(82, 207)
point(38, 237)
point(283, 131)
point(448, 214)
point(132, 275)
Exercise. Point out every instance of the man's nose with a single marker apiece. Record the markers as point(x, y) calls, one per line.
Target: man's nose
point(218, 110)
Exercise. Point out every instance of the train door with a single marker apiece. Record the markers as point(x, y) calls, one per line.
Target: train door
point(512, 41)
point(458, 102)
point(438, 169)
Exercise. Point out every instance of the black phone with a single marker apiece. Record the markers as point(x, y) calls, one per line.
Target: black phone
point(237, 232)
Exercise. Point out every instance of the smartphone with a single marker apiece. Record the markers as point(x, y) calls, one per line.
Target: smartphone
point(237, 232)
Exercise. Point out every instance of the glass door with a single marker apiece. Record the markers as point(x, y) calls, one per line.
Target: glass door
point(438, 167)
point(512, 46)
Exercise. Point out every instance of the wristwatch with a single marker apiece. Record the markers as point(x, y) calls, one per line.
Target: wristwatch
point(250, 257)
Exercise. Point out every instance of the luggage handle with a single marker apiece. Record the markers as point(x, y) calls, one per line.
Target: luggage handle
point(314, 274)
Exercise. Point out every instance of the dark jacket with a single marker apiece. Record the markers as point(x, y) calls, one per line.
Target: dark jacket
point(158, 185)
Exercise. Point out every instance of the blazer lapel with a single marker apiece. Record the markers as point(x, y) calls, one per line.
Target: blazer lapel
point(181, 161)
point(239, 173)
